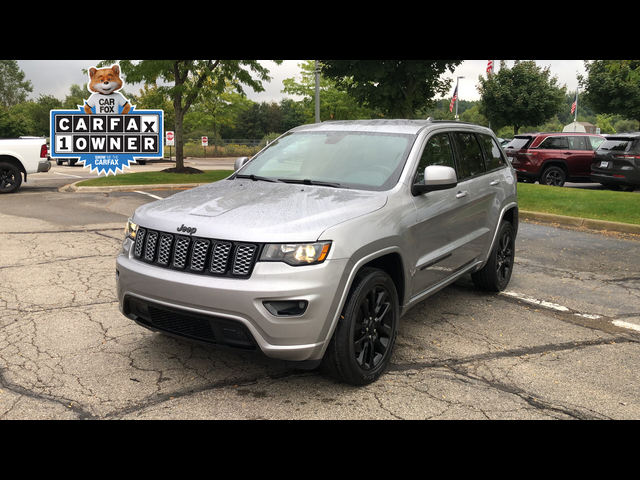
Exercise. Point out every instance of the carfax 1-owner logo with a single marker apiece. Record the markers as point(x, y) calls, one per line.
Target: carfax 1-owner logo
point(107, 133)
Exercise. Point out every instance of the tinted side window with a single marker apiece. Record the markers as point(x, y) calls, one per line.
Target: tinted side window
point(437, 151)
point(470, 159)
point(556, 143)
point(578, 143)
point(596, 142)
point(492, 152)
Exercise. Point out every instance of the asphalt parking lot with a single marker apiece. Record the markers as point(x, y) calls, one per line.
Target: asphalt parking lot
point(561, 343)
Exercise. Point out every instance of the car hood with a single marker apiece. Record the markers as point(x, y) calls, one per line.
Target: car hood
point(255, 211)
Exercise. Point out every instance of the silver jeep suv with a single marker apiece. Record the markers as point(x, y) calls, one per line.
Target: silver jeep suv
point(313, 250)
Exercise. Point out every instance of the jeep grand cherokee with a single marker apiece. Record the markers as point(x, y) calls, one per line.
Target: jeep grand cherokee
point(553, 158)
point(313, 250)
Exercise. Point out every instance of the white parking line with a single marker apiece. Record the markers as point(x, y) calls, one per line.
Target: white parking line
point(533, 301)
point(632, 326)
point(67, 175)
point(150, 195)
point(560, 308)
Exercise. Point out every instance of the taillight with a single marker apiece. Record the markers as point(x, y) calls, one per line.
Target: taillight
point(43, 150)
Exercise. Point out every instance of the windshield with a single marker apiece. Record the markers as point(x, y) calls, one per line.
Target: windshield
point(362, 160)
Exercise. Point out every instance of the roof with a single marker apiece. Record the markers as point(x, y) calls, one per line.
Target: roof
point(380, 125)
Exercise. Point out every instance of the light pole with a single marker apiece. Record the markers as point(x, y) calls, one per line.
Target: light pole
point(317, 72)
point(457, 82)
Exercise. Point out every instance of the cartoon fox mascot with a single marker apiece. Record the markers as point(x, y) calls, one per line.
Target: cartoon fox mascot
point(105, 98)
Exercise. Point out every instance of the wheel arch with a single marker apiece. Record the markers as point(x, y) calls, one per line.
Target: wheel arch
point(14, 161)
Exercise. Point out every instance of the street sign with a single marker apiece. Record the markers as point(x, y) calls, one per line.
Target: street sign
point(170, 140)
point(205, 141)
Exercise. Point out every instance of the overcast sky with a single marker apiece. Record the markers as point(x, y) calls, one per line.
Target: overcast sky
point(55, 77)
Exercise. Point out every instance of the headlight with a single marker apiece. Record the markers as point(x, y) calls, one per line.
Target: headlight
point(130, 230)
point(296, 254)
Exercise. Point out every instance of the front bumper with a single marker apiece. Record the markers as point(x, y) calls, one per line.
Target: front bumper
point(231, 310)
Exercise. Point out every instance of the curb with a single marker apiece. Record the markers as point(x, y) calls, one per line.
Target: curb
point(601, 225)
point(581, 222)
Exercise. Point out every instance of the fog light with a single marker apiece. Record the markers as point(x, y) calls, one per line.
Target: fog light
point(287, 308)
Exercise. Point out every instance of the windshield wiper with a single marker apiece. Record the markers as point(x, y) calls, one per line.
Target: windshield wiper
point(306, 181)
point(256, 178)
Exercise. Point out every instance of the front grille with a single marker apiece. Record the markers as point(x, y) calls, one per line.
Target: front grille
point(195, 254)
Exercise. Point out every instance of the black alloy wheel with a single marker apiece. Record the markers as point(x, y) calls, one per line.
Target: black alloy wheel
point(504, 256)
point(496, 273)
point(361, 347)
point(10, 178)
point(553, 176)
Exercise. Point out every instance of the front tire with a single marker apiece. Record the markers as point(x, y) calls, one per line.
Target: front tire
point(360, 350)
point(495, 275)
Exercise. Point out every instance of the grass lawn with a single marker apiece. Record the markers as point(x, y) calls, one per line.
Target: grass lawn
point(156, 178)
point(607, 205)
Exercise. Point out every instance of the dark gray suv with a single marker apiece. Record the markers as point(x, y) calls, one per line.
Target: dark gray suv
point(314, 249)
point(617, 162)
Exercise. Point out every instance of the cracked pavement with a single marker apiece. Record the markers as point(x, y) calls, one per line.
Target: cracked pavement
point(66, 352)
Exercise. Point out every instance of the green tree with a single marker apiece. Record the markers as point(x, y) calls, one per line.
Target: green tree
point(612, 86)
point(13, 87)
point(13, 125)
point(523, 95)
point(36, 114)
point(335, 104)
point(396, 87)
point(187, 79)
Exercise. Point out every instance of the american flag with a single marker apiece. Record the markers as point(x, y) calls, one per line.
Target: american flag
point(490, 66)
point(575, 104)
point(453, 100)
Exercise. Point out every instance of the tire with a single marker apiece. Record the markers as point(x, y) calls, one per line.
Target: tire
point(553, 176)
point(361, 347)
point(10, 178)
point(495, 275)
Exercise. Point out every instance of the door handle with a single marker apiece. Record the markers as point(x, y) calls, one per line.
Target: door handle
point(462, 194)
point(494, 183)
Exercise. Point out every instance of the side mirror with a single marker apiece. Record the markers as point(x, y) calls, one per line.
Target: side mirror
point(436, 177)
point(240, 161)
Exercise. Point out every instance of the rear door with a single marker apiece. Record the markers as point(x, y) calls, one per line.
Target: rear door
point(474, 153)
point(579, 156)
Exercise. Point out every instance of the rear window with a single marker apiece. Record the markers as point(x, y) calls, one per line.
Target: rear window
point(519, 143)
point(617, 144)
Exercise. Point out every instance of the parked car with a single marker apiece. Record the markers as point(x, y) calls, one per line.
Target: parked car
point(617, 162)
point(553, 158)
point(314, 249)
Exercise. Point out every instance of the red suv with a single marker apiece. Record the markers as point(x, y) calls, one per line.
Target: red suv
point(553, 158)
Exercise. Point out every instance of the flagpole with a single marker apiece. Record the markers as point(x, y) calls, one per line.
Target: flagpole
point(457, 82)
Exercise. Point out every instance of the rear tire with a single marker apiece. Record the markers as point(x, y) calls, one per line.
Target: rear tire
point(553, 176)
point(360, 350)
point(10, 178)
point(495, 275)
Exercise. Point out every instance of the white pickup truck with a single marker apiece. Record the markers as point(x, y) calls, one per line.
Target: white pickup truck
point(20, 156)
